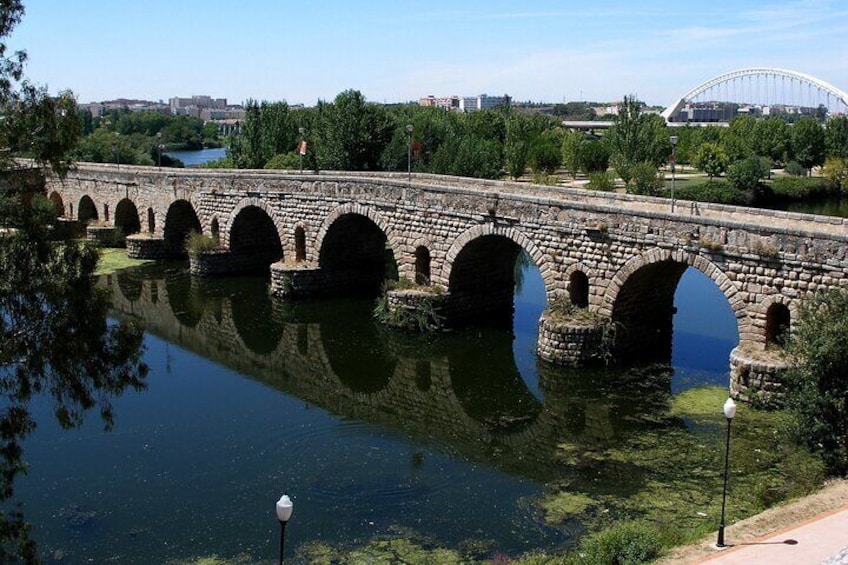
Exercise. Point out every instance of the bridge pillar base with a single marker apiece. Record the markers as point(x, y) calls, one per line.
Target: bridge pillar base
point(145, 246)
point(757, 376)
point(414, 310)
point(104, 236)
point(210, 263)
point(573, 343)
point(296, 281)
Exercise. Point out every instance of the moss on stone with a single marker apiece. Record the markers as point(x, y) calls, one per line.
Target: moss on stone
point(113, 260)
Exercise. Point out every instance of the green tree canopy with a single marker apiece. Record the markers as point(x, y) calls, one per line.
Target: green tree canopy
point(808, 142)
point(636, 138)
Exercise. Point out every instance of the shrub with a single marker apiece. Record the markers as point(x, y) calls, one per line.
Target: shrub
point(718, 191)
point(594, 157)
point(197, 243)
point(795, 169)
point(645, 179)
point(795, 188)
point(623, 544)
point(290, 161)
point(817, 388)
point(601, 181)
point(747, 174)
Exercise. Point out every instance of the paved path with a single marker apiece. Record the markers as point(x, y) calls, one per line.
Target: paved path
point(820, 541)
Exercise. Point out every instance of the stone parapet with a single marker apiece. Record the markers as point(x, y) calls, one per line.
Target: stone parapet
point(757, 376)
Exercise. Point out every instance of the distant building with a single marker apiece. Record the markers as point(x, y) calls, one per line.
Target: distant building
point(465, 103)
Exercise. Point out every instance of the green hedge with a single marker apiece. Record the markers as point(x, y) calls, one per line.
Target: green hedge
point(718, 191)
point(799, 188)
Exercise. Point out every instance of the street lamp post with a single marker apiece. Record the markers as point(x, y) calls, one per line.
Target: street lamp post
point(673, 140)
point(159, 148)
point(300, 149)
point(729, 413)
point(284, 512)
point(409, 129)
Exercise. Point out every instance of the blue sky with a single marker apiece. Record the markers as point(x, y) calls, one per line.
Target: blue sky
point(397, 50)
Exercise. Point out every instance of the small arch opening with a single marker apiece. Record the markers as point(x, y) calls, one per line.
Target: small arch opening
point(299, 244)
point(105, 212)
point(422, 266)
point(151, 220)
point(215, 229)
point(578, 289)
point(777, 324)
point(86, 210)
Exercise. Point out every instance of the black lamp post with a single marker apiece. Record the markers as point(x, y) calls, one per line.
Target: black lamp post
point(301, 150)
point(409, 129)
point(729, 413)
point(284, 512)
point(159, 148)
point(673, 140)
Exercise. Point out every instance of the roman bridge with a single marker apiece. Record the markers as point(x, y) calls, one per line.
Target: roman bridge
point(618, 257)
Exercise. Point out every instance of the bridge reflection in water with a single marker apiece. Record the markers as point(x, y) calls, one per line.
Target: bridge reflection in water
point(445, 436)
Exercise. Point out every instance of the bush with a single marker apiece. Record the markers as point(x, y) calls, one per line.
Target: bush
point(290, 161)
point(795, 169)
point(795, 188)
point(645, 179)
point(603, 182)
point(594, 157)
point(197, 243)
point(747, 173)
point(817, 388)
point(717, 191)
point(623, 544)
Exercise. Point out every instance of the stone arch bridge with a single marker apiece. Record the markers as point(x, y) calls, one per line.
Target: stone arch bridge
point(617, 256)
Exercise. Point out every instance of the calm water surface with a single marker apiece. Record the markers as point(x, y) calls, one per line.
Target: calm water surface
point(371, 433)
point(195, 158)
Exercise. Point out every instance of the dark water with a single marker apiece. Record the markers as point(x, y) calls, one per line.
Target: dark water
point(823, 206)
point(195, 158)
point(371, 433)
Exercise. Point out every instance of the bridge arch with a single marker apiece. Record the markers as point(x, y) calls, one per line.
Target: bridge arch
point(180, 220)
point(254, 239)
point(356, 249)
point(226, 225)
point(127, 218)
point(86, 210)
point(819, 84)
point(479, 272)
point(58, 204)
point(639, 300)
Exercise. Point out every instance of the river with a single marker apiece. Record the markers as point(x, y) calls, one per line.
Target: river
point(452, 438)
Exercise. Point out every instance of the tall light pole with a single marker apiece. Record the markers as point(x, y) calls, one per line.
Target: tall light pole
point(284, 512)
point(729, 413)
point(159, 148)
point(673, 140)
point(409, 129)
point(302, 149)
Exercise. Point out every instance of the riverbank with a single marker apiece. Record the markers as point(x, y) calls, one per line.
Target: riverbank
point(831, 498)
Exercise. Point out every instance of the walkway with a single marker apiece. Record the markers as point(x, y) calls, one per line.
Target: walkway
point(822, 540)
point(809, 531)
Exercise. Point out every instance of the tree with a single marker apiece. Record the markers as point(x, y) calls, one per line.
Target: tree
point(636, 138)
point(712, 159)
point(808, 146)
point(817, 387)
point(836, 137)
point(739, 138)
point(771, 138)
point(545, 155)
point(645, 180)
point(746, 174)
point(351, 134)
point(55, 341)
point(594, 157)
point(572, 154)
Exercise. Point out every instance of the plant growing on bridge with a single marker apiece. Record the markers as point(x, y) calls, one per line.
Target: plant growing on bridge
point(198, 243)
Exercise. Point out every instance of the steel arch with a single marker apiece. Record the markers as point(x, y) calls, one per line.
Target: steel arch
point(700, 89)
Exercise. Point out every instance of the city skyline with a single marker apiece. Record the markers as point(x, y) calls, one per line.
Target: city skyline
point(397, 52)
